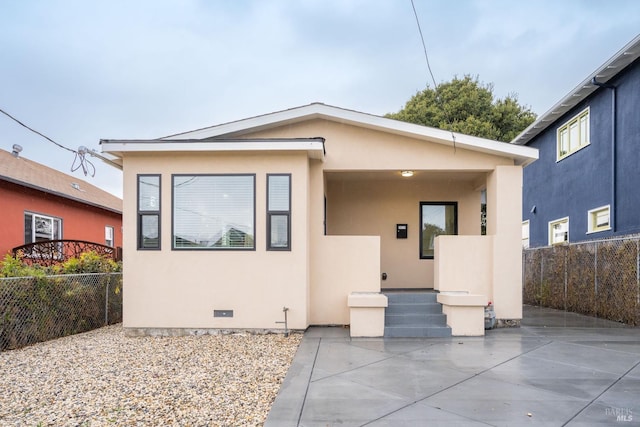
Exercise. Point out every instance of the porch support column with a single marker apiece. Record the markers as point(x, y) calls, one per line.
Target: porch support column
point(504, 222)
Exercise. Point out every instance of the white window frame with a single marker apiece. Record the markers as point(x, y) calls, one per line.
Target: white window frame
point(52, 234)
point(109, 236)
point(525, 236)
point(564, 220)
point(565, 144)
point(592, 216)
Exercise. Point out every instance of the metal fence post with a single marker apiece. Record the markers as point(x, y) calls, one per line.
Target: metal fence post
point(595, 278)
point(566, 276)
point(638, 272)
point(106, 302)
point(541, 274)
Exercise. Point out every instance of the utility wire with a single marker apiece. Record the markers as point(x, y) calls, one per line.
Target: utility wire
point(435, 85)
point(80, 154)
point(35, 131)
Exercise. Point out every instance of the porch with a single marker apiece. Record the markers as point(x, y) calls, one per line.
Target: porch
point(464, 268)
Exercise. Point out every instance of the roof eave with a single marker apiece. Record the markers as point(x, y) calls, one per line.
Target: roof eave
point(313, 146)
point(611, 68)
point(340, 115)
point(59, 194)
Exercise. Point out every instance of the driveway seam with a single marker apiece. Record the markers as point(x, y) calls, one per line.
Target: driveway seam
point(456, 384)
point(306, 390)
point(600, 395)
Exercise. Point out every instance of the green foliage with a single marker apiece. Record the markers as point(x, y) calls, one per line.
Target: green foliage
point(12, 266)
point(38, 304)
point(467, 106)
point(88, 262)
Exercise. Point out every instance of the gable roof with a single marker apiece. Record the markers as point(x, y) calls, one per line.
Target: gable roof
point(28, 173)
point(603, 74)
point(236, 129)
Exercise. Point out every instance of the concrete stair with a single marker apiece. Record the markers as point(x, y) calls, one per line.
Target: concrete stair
point(414, 314)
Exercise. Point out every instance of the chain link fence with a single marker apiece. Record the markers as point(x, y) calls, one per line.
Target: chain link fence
point(36, 309)
point(598, 278)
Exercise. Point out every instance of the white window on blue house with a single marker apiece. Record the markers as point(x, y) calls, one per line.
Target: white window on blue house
point(525, 234)
point(599, 219)
point(573, 135)
point(559, 231)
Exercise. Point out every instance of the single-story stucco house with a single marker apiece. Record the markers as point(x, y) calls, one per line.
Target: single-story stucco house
point(316, 209)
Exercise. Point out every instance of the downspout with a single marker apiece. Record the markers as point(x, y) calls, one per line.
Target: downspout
point(612, 217)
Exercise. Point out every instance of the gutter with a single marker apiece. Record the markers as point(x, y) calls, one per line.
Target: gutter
point(612, 215)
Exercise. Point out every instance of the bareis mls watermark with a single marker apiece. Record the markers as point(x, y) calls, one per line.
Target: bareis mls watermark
point(620, 414)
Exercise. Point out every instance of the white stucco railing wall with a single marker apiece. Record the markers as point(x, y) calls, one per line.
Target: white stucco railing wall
point(342, 265)
point(464, 277)
point(464, 264)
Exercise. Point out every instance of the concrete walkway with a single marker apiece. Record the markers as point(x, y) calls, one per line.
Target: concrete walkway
point(557, 369)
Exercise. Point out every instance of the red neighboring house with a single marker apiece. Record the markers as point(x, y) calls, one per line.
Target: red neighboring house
point(38, 203)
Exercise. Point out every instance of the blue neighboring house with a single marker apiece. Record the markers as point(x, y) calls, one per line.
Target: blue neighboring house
point(586, 183)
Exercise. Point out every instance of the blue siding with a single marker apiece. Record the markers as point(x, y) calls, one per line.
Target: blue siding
point(583, 181)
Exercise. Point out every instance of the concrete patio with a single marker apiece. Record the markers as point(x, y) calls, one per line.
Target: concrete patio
point(557, 369)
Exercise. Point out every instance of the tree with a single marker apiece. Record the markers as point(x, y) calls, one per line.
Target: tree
point(467, 106)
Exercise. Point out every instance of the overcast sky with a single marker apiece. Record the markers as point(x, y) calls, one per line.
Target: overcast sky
point(79, 70)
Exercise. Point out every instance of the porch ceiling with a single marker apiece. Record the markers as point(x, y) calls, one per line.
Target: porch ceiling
point(395, 175)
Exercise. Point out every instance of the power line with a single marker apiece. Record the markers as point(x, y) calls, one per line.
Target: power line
point(435, 85)
point(79, 161)
point(35, 131)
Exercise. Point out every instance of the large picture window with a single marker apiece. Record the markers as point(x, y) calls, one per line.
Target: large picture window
point(436, 218)
point(149, 212)
point(278, 212)
point(214, 212)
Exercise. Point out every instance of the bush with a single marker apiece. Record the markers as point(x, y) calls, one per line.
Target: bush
point(38, 304)
point(88, 262)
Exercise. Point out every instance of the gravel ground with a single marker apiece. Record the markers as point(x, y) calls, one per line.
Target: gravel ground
point(103, 378)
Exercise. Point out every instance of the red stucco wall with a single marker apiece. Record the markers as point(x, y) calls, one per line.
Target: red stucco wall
point(79, 221)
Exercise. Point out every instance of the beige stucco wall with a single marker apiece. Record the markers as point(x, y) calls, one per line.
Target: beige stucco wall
point(374, 207)
point(351, 148)
point(464, 263)
point(504, 222)
point(180, 289)
point(365, 201)
point(365, 197)
point(345, 264)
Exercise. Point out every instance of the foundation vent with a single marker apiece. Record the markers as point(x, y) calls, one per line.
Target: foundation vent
point(222, 313)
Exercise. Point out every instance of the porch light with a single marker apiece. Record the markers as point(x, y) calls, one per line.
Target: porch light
point(407, 174)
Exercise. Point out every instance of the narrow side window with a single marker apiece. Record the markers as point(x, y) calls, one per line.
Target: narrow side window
point(108, 235)
point(525, 234)
point(278, 212)
point(149, 212)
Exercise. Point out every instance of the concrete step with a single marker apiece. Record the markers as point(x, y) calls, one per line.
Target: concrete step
point(414, 313)
point(411, 297)
point(415, 319)
point(413, 308)
point(417, 331)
